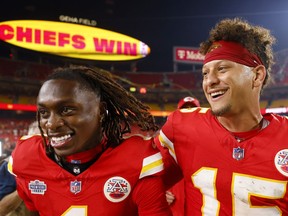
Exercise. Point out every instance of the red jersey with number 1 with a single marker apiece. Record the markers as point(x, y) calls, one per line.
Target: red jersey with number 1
point(124, 180)
point(215, 182)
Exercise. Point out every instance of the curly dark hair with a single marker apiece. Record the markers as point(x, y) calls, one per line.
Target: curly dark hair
point(123, 109)
point(255, 39)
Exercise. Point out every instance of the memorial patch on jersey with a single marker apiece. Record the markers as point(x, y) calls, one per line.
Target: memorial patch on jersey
point(281, 161)
point(116, 189)
point(37, 187)
point(75, 186)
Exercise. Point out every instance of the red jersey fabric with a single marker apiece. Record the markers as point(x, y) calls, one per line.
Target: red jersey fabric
point(178, 205)
point(215, 182)
point(125, 180)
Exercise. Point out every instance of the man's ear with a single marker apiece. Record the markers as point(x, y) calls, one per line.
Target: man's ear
point(260, 74)
point(103, 108)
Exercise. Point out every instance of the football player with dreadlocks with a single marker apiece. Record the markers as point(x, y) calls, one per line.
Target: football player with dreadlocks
point(82, 164)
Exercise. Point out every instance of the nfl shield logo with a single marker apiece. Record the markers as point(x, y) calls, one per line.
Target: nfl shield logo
point(238, 153)
point(75, 186)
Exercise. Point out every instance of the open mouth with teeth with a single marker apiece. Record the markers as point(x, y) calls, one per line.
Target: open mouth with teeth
point(59, 141)
point(217, 94)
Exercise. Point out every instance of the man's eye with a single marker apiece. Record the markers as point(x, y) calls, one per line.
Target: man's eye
point(43, 112)
point(222, 68)
point(66, 110)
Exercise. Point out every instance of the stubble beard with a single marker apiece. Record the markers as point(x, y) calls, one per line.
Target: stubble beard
point(221, 111)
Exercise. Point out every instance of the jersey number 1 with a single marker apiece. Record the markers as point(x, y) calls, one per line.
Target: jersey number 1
point(76, 211)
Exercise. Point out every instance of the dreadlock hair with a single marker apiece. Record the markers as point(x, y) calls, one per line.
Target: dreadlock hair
point(122, 110)
point(255, 39)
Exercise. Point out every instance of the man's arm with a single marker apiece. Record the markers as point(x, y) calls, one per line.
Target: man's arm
point(149, 196)
point(33, 213)
point(9, 203)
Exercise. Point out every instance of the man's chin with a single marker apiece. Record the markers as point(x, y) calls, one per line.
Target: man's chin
point(221, 110)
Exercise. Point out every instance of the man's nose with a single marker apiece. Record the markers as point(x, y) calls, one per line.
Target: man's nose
point(54, 121)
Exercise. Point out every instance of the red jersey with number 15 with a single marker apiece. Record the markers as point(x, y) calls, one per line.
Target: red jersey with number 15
point(215, 182)
point(124, 180)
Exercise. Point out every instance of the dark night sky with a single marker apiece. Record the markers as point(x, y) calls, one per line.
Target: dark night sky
point(160, 24)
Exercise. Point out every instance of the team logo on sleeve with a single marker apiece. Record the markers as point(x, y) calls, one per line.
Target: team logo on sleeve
point(116, 189)
point(75, 186)
point(281, 162)
point(37, 187)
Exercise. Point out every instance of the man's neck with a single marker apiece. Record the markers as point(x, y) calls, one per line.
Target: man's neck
point(240, 123)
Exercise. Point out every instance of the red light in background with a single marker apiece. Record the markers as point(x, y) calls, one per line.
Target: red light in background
point(23, 107)
point(143, 90)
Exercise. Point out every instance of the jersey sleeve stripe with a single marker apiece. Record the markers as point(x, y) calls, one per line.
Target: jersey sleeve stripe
point(151, 165)
point(10, 165)
point(165, 142)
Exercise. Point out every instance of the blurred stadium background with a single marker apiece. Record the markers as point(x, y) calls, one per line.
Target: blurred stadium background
point(22, 71)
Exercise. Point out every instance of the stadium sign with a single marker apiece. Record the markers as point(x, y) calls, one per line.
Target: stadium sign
point(72, 40)
point(77, 20)
point(189, 55)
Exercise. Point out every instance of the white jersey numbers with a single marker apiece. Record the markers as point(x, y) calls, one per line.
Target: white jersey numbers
point(76, 211)
point(204, 179)
point(242, 188)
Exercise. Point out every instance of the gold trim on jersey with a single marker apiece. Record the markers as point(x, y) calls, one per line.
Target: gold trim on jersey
point(25, 137)
point(151, 165)
point(166, 143)
point(10, 165)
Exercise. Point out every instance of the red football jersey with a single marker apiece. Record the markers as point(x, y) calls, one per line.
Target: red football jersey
point(124, 181)
point(178, 205)
point(215, 182)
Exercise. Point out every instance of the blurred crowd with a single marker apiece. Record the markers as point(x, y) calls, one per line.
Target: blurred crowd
point(10, 131)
